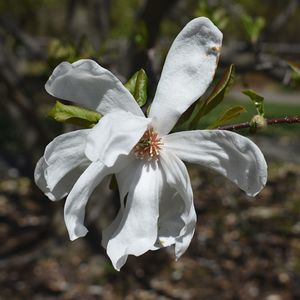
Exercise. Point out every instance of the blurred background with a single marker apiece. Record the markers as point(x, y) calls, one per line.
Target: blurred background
point(243, 248)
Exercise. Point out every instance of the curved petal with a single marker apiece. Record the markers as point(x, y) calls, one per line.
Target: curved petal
point(229, 153)
point(63, 154)
point(188, 70)
point(137, 231)
point(124, 183)
point(91, 86)
point(170, 222)
point(62, 188)
point(187, 233)
point(40, 180)
point(115, 134)
point(175, 225)
point(178, 178)
point(74, 211)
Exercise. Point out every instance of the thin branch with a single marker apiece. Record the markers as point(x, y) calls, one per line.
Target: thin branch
point(273, 121)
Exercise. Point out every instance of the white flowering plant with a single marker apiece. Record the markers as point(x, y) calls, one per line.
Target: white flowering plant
point(145, 152)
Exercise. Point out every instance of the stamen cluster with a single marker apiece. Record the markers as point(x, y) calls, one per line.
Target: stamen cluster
point(149, 145)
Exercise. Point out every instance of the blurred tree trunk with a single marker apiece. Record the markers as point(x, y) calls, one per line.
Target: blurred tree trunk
point(99, 11)
point(150, 17)
point(69, 18)
point(98, 17)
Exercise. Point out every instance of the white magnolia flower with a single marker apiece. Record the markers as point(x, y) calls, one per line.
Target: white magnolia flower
point(155, 191)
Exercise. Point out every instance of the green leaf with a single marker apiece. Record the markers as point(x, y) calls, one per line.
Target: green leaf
point(137, 86)
point(257, 100)
point(185, 117)
point(58, 51)
point(74, 114)
point(218, 93)
point(141, 35)
point(216, 97)
point(295, 66)
point(253, 26)
point(216, 14)
point(295, 74)
point(130, 84)
point(227, 116)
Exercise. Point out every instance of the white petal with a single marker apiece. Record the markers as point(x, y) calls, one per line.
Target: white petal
point(177, 175)
point(115, 134)
point(187, 233)
point(63, 154)
point(229, 153)
point(91, 86)
point(188, 70)
point(170, 223)
point(124, 179)
point(178, 178)
point(137, 231)
point(74, 211)
point(62, 188)
point(175, 224)
point(39, 178)
point(62, 164)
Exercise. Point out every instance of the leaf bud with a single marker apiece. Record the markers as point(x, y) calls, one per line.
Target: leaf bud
point(257, 123)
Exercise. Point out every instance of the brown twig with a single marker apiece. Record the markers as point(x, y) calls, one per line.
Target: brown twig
point(273, 121)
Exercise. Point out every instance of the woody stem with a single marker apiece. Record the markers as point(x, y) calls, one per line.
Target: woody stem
point(272, 121)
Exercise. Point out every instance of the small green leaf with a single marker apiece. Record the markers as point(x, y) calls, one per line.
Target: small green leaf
point(257, 100)
point(253, 26)
point(137, 86)
point(130, 84)
point(58, 51)
point(140, 93)
point(186, 117)
point(216, 97)
point(218, 93)
point(295, 74)
point(295, 66)
point(227, 116)
point(74, 114)
point(217, 14)
point(141, 35)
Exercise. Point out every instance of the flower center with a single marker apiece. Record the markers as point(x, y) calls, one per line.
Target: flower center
point(149, 145)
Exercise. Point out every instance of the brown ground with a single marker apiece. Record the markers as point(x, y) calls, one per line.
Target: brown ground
point(243, 248)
